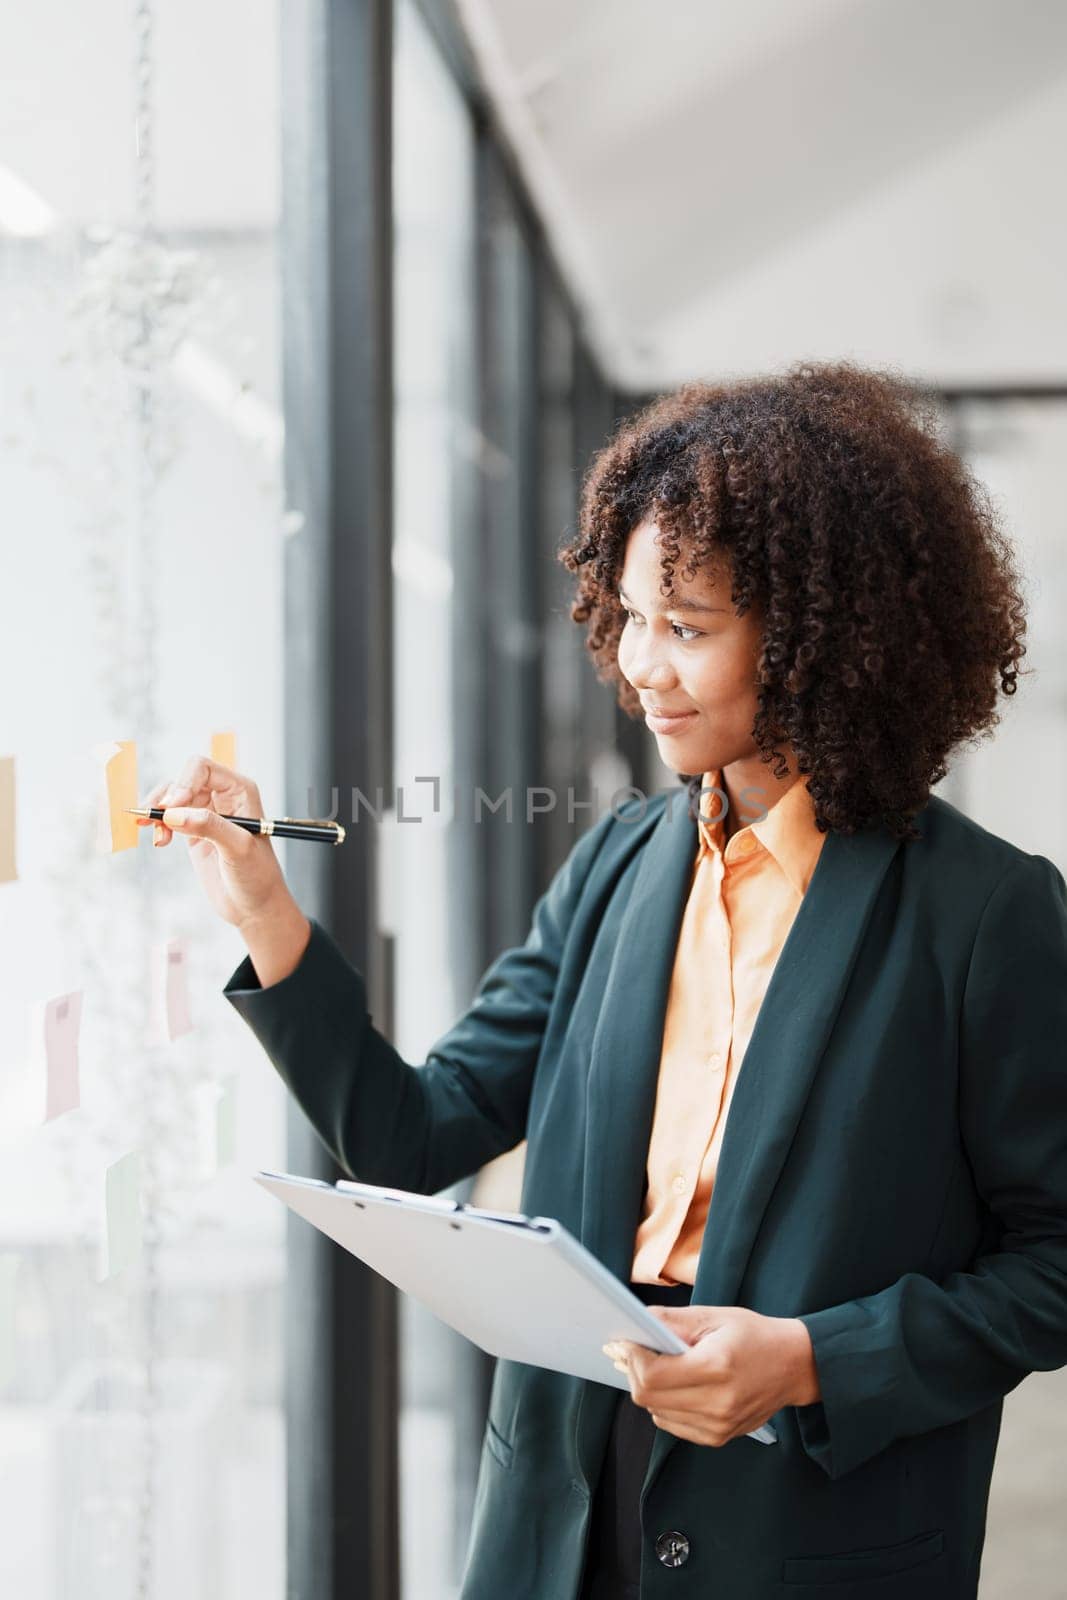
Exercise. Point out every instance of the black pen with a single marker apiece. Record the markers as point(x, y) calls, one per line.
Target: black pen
point(278, 827)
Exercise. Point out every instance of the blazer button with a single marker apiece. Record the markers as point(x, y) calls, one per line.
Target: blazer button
point(672, 1548)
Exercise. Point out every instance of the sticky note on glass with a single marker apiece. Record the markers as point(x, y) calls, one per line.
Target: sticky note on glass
point(8, 871)
point(9, 1266)
point(122, 1215)
point(170, 1011)
point(62, 1022)
point(224, 749)
point(215, 1114)
point(115, 829)
point(226, 1120)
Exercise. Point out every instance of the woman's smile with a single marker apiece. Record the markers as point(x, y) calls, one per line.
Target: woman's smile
point(668, 724)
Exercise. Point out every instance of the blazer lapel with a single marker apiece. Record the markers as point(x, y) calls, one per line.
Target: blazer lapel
point(787, 1043)
point(628, 1040)
point(784, 1051)
point(623, 1072)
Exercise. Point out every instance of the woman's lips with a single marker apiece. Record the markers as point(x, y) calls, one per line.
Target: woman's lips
point(668, 724)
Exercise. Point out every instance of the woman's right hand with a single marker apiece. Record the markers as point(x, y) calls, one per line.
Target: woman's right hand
point(241, 875)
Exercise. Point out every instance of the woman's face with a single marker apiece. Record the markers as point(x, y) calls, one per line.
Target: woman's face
point(691, 655)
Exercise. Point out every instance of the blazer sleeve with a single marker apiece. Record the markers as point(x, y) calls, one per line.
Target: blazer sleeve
point(388, 1121)
point(922, 1354)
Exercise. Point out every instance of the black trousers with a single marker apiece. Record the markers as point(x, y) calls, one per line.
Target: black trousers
point(613, 1554)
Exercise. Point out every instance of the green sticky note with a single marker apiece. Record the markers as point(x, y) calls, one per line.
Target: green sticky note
point(122, 1207)
point(9, 1265)
point(226, 1120)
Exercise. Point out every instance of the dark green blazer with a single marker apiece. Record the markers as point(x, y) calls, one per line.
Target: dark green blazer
point(894, 1170)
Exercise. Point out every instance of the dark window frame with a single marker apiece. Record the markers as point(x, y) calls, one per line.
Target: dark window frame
point(342, 1383)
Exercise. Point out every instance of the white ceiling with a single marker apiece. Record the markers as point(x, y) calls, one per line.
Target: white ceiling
point(734, 187)
point(67, 110)
point(727, 188)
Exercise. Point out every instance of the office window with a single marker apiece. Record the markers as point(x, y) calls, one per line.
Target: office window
point(433, 897)
point(1009, 782)
point(141, 1431)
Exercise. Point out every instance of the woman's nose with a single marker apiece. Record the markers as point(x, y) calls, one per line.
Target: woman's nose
point(651, 670)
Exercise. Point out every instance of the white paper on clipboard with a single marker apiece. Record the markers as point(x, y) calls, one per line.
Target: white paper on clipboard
point(522, 1288)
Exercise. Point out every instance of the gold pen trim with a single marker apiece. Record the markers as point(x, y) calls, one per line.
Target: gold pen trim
point(318, 822)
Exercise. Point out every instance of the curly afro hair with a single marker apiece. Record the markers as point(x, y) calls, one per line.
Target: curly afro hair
point(890, 601)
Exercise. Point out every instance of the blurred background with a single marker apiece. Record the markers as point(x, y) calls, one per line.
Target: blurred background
point(311, 315)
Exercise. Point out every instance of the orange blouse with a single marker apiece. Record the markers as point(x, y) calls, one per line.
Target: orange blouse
point(741, 905)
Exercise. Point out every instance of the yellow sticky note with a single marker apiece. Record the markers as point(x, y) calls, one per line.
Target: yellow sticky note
point(226, 1120)
point(122, 1215)
point(9, 1265)
point(8, 872)
point(224, 749)
point(117, 830)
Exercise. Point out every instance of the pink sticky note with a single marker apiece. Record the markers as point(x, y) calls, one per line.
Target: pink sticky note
point(8, 869)
point(176, 1015)
point(62, 1020)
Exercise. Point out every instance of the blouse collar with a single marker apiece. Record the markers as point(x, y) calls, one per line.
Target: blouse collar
point(788, 831)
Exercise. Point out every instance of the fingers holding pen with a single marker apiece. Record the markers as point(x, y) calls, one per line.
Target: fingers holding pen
point(205, 786)
point(204, 782)
point(234, 861)
point(204, 824)
point(163, 794)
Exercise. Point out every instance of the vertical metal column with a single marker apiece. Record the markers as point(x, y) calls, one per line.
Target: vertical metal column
point(341, 1341)
point(594, 416)
point(511, 550)
point(632, 737)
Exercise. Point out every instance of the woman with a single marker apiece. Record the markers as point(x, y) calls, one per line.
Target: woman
point(819, 994)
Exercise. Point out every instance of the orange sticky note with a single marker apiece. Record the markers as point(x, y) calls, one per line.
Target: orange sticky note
point(224, 749)
point(117, 831)
point(8, 872)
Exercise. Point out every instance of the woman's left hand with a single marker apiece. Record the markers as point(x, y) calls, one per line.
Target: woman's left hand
point(741, 1368)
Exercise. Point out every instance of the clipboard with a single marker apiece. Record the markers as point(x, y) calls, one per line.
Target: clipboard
point(521, 1288)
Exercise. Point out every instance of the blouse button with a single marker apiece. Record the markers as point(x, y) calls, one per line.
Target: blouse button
point(680, 1184)
point(715, 1059)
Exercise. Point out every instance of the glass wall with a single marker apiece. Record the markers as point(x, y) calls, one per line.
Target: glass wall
point(142, 1440)
point(1013, 784)
point(431, 870)
point(1010, 783)
point(141, 1268)
point(491, 689)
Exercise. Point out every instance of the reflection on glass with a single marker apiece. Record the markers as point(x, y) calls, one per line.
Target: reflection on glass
point(434, 379)
point(141, 1430)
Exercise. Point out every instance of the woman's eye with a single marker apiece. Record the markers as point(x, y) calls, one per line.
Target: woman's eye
point(679, 628)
